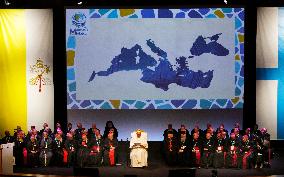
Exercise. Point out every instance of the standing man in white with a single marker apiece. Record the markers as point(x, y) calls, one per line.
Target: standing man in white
point(139, 146)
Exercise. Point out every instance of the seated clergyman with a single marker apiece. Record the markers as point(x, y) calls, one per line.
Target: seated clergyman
point(139, 146)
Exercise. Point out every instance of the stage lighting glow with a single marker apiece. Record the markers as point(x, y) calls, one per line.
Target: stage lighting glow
point(7, 3)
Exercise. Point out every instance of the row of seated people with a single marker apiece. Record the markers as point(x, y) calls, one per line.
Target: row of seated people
point(200, 148)
point(216, 149)
point(77, 147)
point(60, 152)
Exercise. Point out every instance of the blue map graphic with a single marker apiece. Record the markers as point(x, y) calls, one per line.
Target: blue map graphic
point(163, 73)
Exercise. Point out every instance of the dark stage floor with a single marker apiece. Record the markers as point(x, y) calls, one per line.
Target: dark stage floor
point(157, 168)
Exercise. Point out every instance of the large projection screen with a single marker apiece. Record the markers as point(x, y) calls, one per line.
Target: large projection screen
point(155, 58)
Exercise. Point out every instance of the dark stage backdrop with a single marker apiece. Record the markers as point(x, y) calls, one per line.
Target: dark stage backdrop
point(154, 121)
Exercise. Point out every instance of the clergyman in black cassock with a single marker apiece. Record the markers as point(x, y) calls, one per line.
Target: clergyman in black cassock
point(267, 152)
point(218, 157)
point(58, 146)
point(232, 148)
point(96, 148)
point(18, 149)
point(84, 151)
point(184, 152)
point(207, 151)
point(45, 150)
point(33, 152)
point(246, 153)
point(170, 148)
point(196, 146)
point(71, 148)
point(258, 153)
point(110, 145)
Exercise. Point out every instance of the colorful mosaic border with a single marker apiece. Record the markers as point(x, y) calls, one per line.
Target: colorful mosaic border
point(237, 102)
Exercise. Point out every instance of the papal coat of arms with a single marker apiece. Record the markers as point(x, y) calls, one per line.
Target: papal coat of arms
point(40, 71)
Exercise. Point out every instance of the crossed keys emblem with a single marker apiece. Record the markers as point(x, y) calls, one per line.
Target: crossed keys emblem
point(40, 70)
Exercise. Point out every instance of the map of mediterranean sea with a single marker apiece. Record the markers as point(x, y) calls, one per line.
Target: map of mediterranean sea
point(161, 73)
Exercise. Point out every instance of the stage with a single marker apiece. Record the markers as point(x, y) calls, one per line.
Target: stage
point(157, 167)
point(158, 170)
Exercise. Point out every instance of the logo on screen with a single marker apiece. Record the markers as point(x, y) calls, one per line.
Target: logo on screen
point(79, 24)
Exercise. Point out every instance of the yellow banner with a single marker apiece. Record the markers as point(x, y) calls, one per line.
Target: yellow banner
point(13, 97)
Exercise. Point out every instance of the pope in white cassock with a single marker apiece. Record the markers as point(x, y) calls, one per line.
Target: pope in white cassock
point(138, 146)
